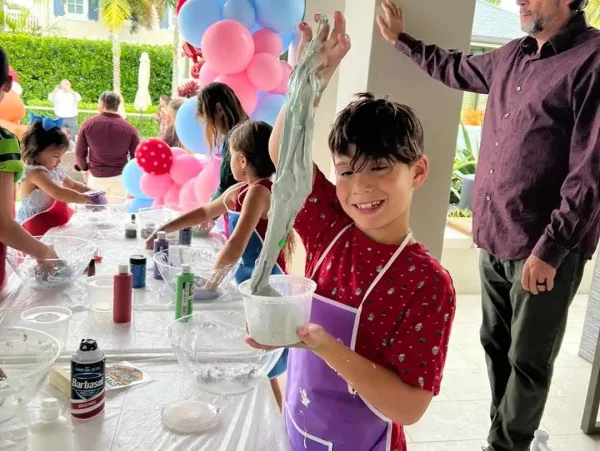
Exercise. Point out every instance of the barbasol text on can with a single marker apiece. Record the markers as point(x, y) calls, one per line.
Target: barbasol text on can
point(87, 381)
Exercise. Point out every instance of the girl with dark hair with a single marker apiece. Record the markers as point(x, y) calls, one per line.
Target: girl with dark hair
point(246, 205)
point(11, 168)
point(221, 110)
point(45, 188)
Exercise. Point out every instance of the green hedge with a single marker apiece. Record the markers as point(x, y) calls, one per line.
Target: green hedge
point(146, 126)
point(42, 62)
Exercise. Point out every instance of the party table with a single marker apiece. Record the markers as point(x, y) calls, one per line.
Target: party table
point(132, 419)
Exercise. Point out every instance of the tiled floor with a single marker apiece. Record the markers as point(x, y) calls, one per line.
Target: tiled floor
point(458, 419)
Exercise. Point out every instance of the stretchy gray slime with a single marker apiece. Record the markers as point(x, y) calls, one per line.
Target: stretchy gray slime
point(293, 180)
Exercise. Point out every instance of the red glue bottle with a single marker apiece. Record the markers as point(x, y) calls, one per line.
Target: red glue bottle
point(122, 297)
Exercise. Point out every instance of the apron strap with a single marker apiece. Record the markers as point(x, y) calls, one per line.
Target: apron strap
point(229, 190)
point(324, 254)
point(387, 266)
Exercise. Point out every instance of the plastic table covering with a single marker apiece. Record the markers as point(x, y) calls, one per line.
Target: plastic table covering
point(132, 417)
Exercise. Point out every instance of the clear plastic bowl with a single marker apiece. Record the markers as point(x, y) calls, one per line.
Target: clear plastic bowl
point(106, 216)
point(26, 356)
point(211, 345)
point(74, 255)
point(201, 259)
point(275, 321)
point(52, 319)
point(100, 291)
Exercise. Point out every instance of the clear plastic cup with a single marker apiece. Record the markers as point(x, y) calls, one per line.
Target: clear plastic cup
point(275, 321)
point(100, 290)
point(52, 319)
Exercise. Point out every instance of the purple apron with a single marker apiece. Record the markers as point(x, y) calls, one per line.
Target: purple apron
point(322, 412)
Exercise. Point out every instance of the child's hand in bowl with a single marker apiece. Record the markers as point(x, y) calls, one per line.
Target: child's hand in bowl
point(313, 337)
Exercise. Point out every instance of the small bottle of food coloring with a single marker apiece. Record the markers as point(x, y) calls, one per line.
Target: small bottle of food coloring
point(138, 270)
point(185, 236)
point(160, 244)
point(122, 295)
point(91, 269)
point(130, 231)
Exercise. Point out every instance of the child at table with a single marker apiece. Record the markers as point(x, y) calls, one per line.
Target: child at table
point(45, 188)
point(221, 111)
point(11, 168)
point(372, 358)
point(246, 206)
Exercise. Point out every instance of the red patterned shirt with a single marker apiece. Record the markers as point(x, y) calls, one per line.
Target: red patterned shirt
point(406, 320)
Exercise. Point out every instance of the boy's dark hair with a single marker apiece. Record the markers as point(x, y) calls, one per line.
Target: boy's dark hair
point(380, 129)
point(4, 70)
point(251, 139)
point(111, 100)
point(36, 140)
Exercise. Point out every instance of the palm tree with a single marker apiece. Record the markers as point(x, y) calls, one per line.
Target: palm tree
point(140, 13)
point(593, 13)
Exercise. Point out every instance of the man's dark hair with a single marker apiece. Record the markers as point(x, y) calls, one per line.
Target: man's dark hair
point(380, 129)
point(3, 66)
point(578, 5)
point(111, 100)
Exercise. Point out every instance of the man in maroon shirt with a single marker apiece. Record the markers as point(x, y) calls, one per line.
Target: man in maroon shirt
point(104, 146)
point(537, 193)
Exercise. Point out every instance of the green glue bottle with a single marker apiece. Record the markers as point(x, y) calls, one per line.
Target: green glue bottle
point(184, 292)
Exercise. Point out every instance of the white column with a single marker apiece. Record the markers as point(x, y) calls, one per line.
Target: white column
point(373, 65)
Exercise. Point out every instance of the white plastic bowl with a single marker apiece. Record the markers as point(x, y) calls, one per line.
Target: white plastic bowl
point(74, 255)
point(52, 319)
point(100, 291)
point(275, 321)
point(26, 356)
point(211, 345)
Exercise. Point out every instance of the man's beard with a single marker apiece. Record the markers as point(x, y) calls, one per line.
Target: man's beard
point(537, 25)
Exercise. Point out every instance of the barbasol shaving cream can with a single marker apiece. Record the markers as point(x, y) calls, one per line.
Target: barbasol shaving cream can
point(87, 381)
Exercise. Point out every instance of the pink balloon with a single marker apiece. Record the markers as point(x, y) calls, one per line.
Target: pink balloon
point(158, 203)
point(172, 196)
point(243, 89)
point(178, 151)
point(282, 87)
point(265, 71)
point(155, 186)
point(227, 46)
point(204, 185)
point(184, 168)
point(187, 196)
point(207, 75)
point(267, 41)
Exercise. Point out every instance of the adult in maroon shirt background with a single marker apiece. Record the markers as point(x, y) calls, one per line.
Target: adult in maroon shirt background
point(537, 193)
point(104, 146)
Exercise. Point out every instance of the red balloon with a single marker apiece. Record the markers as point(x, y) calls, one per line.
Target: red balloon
point(154, 156)
point(195, 72)
point(13, 74)
point(179, 5)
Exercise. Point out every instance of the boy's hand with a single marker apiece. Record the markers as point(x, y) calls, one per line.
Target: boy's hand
point(390, 21)
point(150, 241)
point(313, 337)
point(335, 46)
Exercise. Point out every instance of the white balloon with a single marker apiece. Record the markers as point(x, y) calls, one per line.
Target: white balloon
point(16, 88)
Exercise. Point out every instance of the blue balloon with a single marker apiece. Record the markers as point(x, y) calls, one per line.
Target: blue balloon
point(137, 204)
point(241, 11)
point(254, 28)
point(280, 15)
point(190, 130)
point(131, 177)
point(287, 39)
point(268, 108)
point(196, 16)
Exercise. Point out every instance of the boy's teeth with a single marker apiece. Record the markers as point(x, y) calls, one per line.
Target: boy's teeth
point(368, 205)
